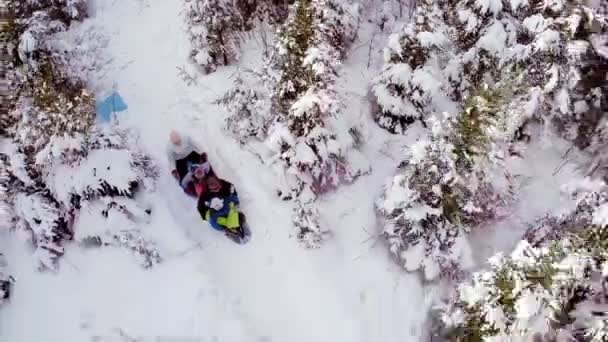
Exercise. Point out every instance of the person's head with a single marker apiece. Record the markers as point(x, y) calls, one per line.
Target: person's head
point(213, 184)
point(201, 171)
point(175, 138)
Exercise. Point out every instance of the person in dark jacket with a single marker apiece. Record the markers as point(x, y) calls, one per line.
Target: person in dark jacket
point(217, 203)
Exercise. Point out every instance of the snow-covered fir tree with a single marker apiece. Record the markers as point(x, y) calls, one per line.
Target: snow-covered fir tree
point(565, 70)
point(551, 290)
point(443, 190)
point(215, 26)
point(301, 124)
point(46, 101)
point(414, 82)
point(54, 159)
point(551, 49)
point(304, 133)
point(539, 54)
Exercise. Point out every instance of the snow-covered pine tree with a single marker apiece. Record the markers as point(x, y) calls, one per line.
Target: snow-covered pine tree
point(63, 10)
point(43, 101)
point(442, 190)
point(552, 290)
point(53, 157)
point(488, 34)
point(558, 291)
point(305, 107)
point(553, 51)
point(414, 81)
point(569, 69)
point(271, 11)
point(214, 27)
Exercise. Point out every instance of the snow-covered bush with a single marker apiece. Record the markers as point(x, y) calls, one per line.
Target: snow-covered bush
point(248, 105)
point(42, 100)
point(309, 231)
point(6, 215)
point(6, 281)
point(42, 217)
point(305, 133)
point(70, 173)
point(116, 222)
point(55, 107)
point(338, 23)
point(443, 190)
point(63, 10)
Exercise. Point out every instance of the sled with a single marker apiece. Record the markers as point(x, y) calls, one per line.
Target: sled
point(235, 225)
point(109, 106)
point(240, 234)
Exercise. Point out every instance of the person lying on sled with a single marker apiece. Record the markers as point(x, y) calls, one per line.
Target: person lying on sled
point(217, 204)
point(185, 158)
point(194, 182)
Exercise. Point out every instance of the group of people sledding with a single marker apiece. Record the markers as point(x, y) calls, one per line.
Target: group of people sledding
point(217, 198)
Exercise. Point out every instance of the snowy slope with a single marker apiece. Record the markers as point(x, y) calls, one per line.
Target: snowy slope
point(209, 289)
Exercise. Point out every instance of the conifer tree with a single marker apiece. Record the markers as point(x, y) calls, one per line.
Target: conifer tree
point(305, 108)
point(54, 159)
point(215, 27)
point(414, 82)
point(441, 191)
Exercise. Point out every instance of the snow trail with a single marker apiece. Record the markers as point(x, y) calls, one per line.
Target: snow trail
point(208, 288)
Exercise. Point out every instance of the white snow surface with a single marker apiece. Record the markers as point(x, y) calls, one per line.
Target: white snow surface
point(207, 288)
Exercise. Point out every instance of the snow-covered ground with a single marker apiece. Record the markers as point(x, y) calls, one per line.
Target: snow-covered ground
point(208, 288)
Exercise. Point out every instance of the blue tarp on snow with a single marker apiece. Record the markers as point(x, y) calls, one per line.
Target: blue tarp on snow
point(112, 104)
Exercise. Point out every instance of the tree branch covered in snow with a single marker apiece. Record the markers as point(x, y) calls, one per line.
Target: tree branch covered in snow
point(552, 290)
point(591, 204)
